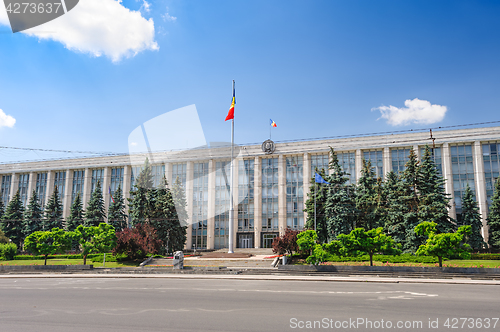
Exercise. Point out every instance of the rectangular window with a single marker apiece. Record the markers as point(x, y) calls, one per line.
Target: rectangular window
point(294, 192)
point(116, 181)
point(319, 162)
point(179, 171)
point(60, 183)
point(222, 191)
point(23, 187)
point(97, 176)
point(463, 173)
point(246, 195)
point(399, 158)
point(135, 171)
point(41, 187)
point(437, 157)
point(270, 190)
point(200, 205)
point(158, 172)
point(5, 190)
point(377, 161)
point(78, 182)
point(491, 160)
point(347, 161)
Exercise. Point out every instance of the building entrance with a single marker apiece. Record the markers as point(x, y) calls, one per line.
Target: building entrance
point(267, 239)
point(245, 240)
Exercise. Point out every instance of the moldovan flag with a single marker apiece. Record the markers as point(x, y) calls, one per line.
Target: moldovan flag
point(273, 124)
point(230, 115)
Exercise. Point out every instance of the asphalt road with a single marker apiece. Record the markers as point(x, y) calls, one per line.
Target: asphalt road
point(122, 304)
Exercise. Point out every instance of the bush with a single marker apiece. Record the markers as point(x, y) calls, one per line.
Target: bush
point(3, 239)
point(137, 242)
point(7, 251)
point(287, 243)
point(486, 256)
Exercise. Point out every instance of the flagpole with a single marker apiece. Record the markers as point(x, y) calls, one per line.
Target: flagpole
point(231, 207)
point(315, 194)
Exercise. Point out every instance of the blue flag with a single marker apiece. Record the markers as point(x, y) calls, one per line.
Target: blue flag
point(319, 179)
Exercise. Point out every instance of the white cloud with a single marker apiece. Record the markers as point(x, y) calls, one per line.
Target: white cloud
point(98, 27)
point(168, 17)
point(6, 120)
point(416, 111)
point(146, 6)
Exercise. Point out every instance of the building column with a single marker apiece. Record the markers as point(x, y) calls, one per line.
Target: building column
point(168, 174)
point(282, 194)
point(189, 201)
point(417, 151)
point(87, 187)
point(257, 210)
point(14, 185)
point(236, 200)
point(31, 186)
point(358, 164)
point(50, 188)
point(68, 191)
point(211, 205)
point(126, 189)
point(448, 176)
point(481, 187)
point(306, 181)
point(386, 157)
point(105, 188)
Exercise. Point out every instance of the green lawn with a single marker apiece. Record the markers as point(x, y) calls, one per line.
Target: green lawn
point(55, 261)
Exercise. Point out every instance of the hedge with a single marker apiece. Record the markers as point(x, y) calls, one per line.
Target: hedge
point(486, 256)
point(72, 256)
point(404, 258)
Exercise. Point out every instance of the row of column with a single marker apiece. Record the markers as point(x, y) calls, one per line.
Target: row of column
point(479, 177)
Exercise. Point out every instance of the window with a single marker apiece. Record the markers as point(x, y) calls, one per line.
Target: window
point(294, 192)
point(23, 187)
point(246, 195)
point(347, 161)
point(97, 176)
point(222, 206)
point(463, 173)
point(200, 205)
point(270, 190)
point(377, 161)
point(78, 182)
point(41, 188)
point(5, 189)
point(179, 171)
point(116, 180)
point(158, 172)
point(60, 183)
point(399, 158)
point(491, 160)
point(319, 161)
point(437, 157)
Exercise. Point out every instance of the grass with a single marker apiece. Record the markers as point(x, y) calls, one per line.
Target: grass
point(55, 261)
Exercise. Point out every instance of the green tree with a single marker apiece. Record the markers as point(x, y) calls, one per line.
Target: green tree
point(95, 213)
point(139, 203)
point(12, 220)
point(367, 198)
point(340, 206)
point(53, 212)
point(95, 239)
point(395, 210)
point(307, 240)
point(179, 196)
point(443, 244)
point(471, 217)
point(33, 216)
point(494, 218)
point(76, 214)
point(116, 211)
point(47, 242)
point(317, 196)
point(3, 238)
point(434, 203)
point(371, 242)
point(2, 209)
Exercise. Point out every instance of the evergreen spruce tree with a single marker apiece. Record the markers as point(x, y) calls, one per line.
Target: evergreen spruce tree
point(494, 218)
point(165, 220)
point(116, 212)
point(340, 205)
point(410, 197)
point(138, 203)
point(95, 214)
point(12, 220)
point(33, 216)
point(433, 200)
point(395, 212)
point(76, 214)
point(471, 216)
point(53, 212)
point(317, 196)
point(179, 196)
point(2, 209)
point(367, 198)
point(381, 208)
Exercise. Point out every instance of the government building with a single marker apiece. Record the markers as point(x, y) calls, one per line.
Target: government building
point(270, 182)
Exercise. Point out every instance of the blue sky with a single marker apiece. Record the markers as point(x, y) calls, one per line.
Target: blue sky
point(317, 68)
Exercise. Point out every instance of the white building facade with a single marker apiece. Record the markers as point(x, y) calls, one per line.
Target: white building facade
point(269, 190)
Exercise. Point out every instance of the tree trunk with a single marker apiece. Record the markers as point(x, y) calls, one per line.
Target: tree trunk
point(85, 259)
point(45, 263)
point(371, 259)
point(440, 261)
